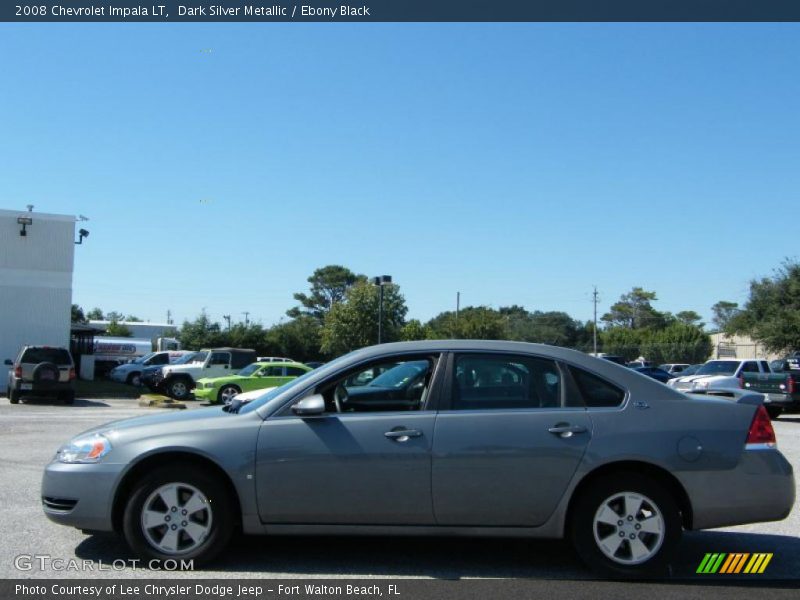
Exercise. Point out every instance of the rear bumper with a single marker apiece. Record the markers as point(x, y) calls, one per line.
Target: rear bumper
point(43, 388)
point(760, 488)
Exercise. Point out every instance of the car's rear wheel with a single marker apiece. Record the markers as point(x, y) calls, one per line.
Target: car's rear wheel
point(227, 393)
point(13, 396)
point(626, 525)
point(178, 389)
point(178, 512)
point(774, 412)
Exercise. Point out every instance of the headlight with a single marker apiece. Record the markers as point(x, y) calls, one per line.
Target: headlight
point(88, 449)
point(208, 386)
point(700, 385)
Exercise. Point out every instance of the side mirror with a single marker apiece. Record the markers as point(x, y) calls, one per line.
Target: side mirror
point(9, 362)
point(310, 407)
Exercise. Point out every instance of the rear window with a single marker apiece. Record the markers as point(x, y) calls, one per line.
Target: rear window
point(596, 392)
point(59, 356)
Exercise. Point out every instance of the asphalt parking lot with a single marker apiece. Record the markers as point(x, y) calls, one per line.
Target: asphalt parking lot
point(32, 431)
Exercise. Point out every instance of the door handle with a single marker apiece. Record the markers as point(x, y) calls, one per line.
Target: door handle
point(566, 430)
point(402, 435)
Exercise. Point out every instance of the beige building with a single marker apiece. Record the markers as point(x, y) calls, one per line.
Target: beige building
point(738, 346)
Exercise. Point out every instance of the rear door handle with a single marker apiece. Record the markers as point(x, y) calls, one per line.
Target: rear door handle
point(402, 435)
point(566, 430)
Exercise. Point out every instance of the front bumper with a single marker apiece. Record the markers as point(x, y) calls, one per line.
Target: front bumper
point(80, 495)
point(760, 488)
point(209, 394)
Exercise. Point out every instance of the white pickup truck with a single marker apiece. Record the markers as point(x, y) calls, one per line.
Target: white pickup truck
point(719, 374)
point(177, 380)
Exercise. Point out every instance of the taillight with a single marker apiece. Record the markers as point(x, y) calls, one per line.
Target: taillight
point(741, 381)
point(72, 374)
point(18, 372)
point(761, 432)
point(790, 384)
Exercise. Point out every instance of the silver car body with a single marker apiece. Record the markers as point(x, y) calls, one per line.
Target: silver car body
point(476, 472)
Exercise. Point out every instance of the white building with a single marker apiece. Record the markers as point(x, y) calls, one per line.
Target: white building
point(36, 262)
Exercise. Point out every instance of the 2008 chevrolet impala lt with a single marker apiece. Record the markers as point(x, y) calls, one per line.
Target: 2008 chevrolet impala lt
point(442, 438)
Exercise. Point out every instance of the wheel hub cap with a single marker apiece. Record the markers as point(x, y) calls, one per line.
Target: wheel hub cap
point(629, 528)
point(179, 535)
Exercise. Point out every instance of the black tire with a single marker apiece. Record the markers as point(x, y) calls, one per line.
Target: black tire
point(67, 397)
point(220, 506)
point(226, 390)
point(774, 412)
point(134, 379)
point(585, 532)
point(178, 388)
point(13, 396)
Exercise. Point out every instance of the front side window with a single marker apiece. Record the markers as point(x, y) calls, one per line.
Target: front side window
point(295, 371)
point(387, 386)
point(596, 392)
point(272, 372)
point(496, 382)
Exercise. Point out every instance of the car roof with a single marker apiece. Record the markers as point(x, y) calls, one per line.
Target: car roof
point(279, 363)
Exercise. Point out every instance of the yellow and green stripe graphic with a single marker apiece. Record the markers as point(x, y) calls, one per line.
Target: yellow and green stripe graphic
point(735, 562)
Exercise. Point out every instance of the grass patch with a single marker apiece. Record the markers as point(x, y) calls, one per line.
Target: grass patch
point(102, 388)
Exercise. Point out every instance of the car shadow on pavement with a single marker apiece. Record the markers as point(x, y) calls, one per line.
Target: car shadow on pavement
point(457, 558)
point(79, 402)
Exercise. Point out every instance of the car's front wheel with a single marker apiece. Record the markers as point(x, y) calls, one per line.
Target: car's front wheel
point(227, 393)
point(179, 513)
point(626, 525)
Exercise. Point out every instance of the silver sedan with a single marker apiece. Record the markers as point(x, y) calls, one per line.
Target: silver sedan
point(446, 437)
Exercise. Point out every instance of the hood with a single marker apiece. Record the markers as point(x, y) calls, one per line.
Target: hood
point(169, 419)
point(227, 379)
point(691, 378)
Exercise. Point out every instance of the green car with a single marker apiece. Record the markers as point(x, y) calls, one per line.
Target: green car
point(256, 376)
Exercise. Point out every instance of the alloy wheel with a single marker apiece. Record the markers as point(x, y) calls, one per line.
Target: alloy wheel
point(176, 518)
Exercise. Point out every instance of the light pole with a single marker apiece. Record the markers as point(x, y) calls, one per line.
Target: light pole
point(381, 281)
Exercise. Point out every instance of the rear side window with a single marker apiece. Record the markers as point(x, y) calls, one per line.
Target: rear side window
point(220, 358)
point(295, 371)
point(59, 356)
point(750, 367)
point(501, 382)
point(596, 392)
point(159, 359)
point(765, 366)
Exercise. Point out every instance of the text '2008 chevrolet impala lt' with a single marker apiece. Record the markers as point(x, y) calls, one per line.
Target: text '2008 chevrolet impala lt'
point(442, 438)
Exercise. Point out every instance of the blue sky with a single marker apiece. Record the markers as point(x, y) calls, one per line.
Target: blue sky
point(516, 163)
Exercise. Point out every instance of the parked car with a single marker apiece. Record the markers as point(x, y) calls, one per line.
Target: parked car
point(178, 380)
point(41, 371)
point(719, 374)
point(274, 359)
point(314, 364)
point(674, 368)
point(504, 439)
point(690, 370)
point(609, 357)
point(256, 376)
point(781, 388)
point(151, 376)
point(654, 372)
point(131, 372)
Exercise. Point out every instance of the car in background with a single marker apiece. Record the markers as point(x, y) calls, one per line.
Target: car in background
point(41, 371)
point(256, 376)
point(263, 359)
point(638, 363)
point(131, 372)
point(504, 439)
point(178, 380)
point(719, 374)
point(674, 368)
point(152, 376)
point(609, 357)
point(690, 370)
point(655, 372)
point(315, 364)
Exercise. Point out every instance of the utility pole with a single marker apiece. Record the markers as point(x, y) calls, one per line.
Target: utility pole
point(228, 319)
point(169, 317)
point(246, 318)
point(381, 281)
point(594, 331)
point(458, 304)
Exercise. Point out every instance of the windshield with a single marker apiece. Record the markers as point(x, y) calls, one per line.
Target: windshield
point(190, 358)
point(398, 376)
point(718, 367)
point(142, 359)
point(299, 383)
point(250, 369)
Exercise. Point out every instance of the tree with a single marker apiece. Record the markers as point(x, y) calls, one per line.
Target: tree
point(353, 322)
point(132, 319)
point(771, 314)
point(77, 314)
point(299, 339)
point(201, 333)
point(95, 314)
point(634, 310)
point(622, 341)
point(114, 316)
point(678, 342)
point(553, 327)
point(117, 330)
point(415, 330)
point(689, 317)
point(328, 286)
point(473, 322)
point(723, 311)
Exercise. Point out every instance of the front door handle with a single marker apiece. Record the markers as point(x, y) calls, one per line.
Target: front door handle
point(402, 435)
point(566, 430)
